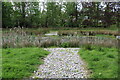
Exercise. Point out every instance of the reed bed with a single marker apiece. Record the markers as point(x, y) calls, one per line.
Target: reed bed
point(87, 33)
point(18, 38)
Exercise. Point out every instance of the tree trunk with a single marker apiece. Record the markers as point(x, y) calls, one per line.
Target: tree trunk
point(23, 14)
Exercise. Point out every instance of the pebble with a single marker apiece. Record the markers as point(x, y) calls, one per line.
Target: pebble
point(62, 63)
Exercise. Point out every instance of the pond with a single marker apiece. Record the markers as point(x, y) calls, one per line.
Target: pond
point(52, 33)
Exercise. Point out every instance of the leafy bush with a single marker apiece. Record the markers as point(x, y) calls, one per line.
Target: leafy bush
point(64, 45)
point(87, 46)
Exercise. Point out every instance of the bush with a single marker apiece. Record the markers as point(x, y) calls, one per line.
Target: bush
point(65, 45)
point(87, 47)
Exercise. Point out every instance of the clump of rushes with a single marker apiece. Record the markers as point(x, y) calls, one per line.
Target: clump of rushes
point(49, 42)
point(102, 61)
point(18, 37)
point(103, 32)
point(87, 33)
point(67, 33)
point(39, 31)
point(21, 63)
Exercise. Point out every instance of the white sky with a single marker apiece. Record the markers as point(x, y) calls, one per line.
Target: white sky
point(61, 0)
point(79, 5)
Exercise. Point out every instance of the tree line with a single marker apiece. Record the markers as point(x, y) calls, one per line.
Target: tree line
point(64, 14)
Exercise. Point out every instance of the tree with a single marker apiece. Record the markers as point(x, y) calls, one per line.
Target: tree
point(52, 14)
point(7, 15)
point(109, 14)
point(64, 14)
point(71, 14)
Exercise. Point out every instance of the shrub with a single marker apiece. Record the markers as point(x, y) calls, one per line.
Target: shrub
point(87, 47)
point(65, 45)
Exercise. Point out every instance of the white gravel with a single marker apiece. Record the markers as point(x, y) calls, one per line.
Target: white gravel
point(62, 63)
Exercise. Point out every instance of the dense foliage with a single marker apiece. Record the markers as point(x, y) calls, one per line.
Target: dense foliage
point(54, 14)
point(21, 62)
point(101, 60)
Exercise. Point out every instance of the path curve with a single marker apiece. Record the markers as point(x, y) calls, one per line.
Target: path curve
point(62, 63)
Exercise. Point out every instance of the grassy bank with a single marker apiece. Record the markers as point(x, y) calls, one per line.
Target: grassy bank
point(21, 62)
point(103, 62)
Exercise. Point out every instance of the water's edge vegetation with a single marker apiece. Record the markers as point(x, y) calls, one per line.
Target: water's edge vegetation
point(22, 37)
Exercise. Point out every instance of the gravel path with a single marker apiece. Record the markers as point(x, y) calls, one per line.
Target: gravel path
point(62, 63)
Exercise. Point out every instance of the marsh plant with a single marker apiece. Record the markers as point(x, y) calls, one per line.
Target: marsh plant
point(18, 37)
point(87, 33)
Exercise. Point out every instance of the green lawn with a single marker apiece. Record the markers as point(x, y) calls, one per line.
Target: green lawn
point(21, 62)
point(103, 62)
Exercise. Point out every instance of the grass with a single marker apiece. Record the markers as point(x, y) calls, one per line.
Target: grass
point(102, 61)
point(21, 62)
point(45, 30)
